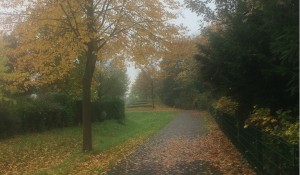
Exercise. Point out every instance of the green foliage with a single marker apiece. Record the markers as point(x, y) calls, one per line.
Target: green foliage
point(32, 114)
point(203, 100)
point(45, 112)
point(113, 81)
point(109, 108)
point(280, 124)
point(253, 53)
point(9, 123)
point(142, 88)
point(52, 110)
point(227, 106)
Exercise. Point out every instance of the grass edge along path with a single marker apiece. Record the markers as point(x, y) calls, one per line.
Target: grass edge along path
point(59, 151)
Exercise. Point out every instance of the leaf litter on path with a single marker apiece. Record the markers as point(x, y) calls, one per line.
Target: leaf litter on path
point(208, 151)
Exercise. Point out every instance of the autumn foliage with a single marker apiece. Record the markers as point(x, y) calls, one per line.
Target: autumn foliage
point(280, 124)
point(68, 35)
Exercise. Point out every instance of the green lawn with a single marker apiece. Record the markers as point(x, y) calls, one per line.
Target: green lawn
point(59, 151)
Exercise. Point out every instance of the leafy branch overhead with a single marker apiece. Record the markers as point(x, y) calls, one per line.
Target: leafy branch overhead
point(64, 35)
point(59, 34)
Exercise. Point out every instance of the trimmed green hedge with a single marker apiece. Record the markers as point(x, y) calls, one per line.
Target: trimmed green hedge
point(36, 114)
point(53, 110)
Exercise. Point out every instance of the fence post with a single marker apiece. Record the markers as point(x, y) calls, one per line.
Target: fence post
point(296, 159)
point(259, 152)
point(238, 132)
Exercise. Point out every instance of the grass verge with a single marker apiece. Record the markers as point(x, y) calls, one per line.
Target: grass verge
point(59, 151)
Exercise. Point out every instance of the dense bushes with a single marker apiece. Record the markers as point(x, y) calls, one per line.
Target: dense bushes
point(109, 108)
point(45, 112)
point(55, 110)
point(9, 124)
point(29, 114)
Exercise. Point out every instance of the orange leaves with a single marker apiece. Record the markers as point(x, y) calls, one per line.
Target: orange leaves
point(99, 163)
point(220, 152)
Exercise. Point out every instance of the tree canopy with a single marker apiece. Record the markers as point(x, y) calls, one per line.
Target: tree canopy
point(54, 37)
point(253, 52)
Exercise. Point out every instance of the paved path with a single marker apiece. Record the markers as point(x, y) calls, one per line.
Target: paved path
point(172, 151)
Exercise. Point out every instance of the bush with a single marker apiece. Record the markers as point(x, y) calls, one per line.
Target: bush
point(9, 124)
point(53, 110)
point(281, 124)
point(44, 112)
point(109, 108)
point(227, 106)
point(202, 100)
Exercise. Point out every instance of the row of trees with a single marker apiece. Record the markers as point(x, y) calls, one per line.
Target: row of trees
point(252, 58)
point(253, 53)
point(246, 64)
point(58, 42)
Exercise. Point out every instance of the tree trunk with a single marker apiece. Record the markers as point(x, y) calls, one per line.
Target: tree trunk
point(86, 114)
point(86, 96)
point(87, 80)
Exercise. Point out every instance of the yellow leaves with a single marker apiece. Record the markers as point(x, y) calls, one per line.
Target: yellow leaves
point(101, 162)
point(218, 150)
point(278, 125)
point(246, 126)
point(26, 155)
point(178, 60)
point(7, 79)
point(51, 38)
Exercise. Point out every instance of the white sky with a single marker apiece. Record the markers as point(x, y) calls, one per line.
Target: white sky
point(188, 19)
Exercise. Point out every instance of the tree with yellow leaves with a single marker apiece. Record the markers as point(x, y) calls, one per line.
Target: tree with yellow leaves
point(178, 72)
point(53, 35)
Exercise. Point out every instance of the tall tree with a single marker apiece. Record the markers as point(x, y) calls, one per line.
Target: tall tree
point(252, 52)
point(178, 73)
point(63, 30)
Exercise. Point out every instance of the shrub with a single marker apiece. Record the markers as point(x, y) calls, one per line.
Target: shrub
point(281, 124)
point(109, 108)
point(9, 124)
point(202, 100)
point(226, 105)
point(44, 112)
